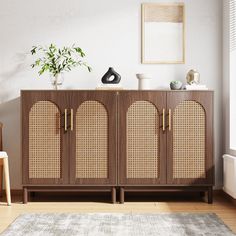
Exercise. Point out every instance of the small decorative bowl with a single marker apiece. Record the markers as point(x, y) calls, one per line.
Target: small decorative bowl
point(176, 85)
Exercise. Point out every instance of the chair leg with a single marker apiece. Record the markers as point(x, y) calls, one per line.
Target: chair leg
point(1, 179)
point(7, 180)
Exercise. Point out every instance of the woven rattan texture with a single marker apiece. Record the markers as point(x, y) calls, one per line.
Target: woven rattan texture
point(44, 141)
point(189, 141)
point(142, 140)
point(91, 140)
point(162, 13)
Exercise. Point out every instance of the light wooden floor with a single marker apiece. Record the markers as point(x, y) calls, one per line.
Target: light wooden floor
point(221, 206)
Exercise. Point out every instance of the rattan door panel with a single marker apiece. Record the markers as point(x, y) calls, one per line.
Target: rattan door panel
point(142, 141)
point(91, 141)
point(189, 152)
point(44, 139)
point(141, 138)
point(94, 138)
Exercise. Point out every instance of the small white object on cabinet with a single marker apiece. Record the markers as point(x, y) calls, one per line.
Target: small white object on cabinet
point(143, 81)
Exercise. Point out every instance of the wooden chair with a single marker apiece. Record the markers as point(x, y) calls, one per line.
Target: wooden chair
point(4, 168)
point(1, 161)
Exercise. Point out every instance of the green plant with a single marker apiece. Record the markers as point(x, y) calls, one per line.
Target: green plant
point(175, 82)
point(57, 60)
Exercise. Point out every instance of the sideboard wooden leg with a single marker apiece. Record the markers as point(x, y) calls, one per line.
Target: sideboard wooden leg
point(122, 195)
point(210, 195)
point(25, 196)
point(202, 194)
point(113, 195)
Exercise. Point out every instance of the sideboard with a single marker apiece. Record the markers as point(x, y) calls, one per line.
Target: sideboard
point(125, 141)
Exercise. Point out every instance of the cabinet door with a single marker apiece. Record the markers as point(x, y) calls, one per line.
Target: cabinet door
point(142, 140)
point(44, 138)
point(189, 140)
point(93, 138)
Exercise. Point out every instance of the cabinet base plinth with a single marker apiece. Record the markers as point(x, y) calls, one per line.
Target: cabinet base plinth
point(45, 189)
point(168, 189)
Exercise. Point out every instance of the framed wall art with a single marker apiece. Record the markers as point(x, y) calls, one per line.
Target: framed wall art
point(163, 33)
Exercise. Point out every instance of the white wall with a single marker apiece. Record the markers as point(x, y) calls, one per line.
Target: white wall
point(109, 31)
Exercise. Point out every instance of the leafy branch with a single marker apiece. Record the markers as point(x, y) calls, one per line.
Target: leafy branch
point(56, 60)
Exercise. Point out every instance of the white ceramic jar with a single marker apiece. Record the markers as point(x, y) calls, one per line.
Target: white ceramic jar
point(143, 82)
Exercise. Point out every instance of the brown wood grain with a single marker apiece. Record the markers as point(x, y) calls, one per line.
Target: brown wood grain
point(206, 100)
point(116, 104)
point(108, 100)
point(126, 99)
point(61, 100)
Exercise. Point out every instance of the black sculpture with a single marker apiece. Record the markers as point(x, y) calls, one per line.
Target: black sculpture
point(106, 79)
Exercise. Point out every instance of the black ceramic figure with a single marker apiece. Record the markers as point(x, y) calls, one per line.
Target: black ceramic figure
point(106, 79)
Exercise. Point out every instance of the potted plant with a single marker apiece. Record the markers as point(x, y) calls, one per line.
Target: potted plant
point(56, 61)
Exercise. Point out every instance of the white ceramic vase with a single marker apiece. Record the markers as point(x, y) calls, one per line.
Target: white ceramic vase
point(143, 82)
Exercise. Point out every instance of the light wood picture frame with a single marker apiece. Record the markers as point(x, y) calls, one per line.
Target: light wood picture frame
point(163, 33)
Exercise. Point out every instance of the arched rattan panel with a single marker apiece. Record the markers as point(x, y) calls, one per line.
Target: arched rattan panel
point(142, 140)
point(189, 141)
point(91, 140)
point(44, 141)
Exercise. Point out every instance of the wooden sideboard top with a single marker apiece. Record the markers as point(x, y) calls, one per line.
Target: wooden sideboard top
point(109, 90)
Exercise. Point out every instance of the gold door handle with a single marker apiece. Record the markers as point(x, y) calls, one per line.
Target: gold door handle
point(170, 119)
point(71, 119)
point(65, 120)
point(163, 120)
